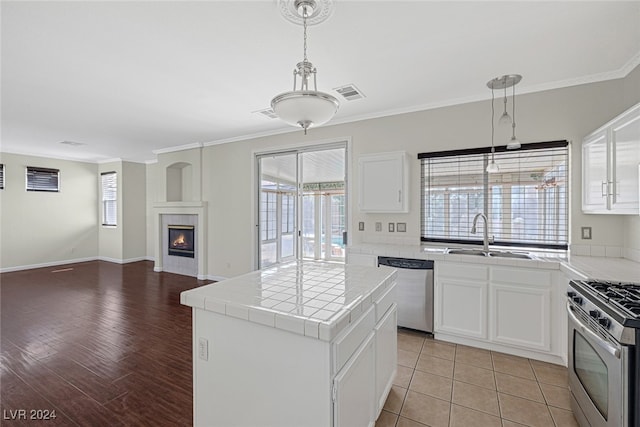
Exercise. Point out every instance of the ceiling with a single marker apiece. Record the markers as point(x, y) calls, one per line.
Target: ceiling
point(125, 79)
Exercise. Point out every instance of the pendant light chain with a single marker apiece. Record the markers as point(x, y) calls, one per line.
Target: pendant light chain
point(492, 125)
point(513, 113)
point(304, 25)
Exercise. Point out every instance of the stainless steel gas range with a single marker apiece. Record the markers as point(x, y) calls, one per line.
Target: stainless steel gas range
point(604, 360)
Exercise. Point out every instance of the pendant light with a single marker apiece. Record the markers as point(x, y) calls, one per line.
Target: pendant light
point(492, 167)
point(504, 82)
point(513, 143)
point(505, 119)
point(305, 107)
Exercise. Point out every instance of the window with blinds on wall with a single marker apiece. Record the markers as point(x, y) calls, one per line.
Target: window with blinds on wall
point(109, 198)
point(43, 179)
point(526, 202)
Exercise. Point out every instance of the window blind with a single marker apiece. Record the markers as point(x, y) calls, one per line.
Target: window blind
point(43, 179)
point(1, 176)
point(109, 198)
point(526, 202)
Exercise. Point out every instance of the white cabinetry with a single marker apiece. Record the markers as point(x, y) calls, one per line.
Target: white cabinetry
point(507, 309)
point(292, 379)
point(610, 166)
point(519, 308)
point(461, 299)
point(354, 388)
point(384, 182)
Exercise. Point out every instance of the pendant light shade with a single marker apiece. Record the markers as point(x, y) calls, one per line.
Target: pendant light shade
point(305, 106)
point(504, 82)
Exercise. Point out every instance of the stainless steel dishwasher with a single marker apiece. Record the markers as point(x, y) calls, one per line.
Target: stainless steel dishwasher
point(414, 288)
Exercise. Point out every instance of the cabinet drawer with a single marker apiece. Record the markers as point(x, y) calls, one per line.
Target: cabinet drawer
point(348, 341)
point(462, 271)
point(385, 301)
point(521, 276)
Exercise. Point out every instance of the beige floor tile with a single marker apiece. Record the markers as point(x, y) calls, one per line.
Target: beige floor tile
point(520, 387)
point(438, 349)
point(551, 374)
point(519, 367)
point(465, 417)
point(394, 400)
point(524, 411)
point(507, 423)
point(563, 418)
point(474, 375)
point(432, 385)
point(474, 397)
point(403, 376)
point(435, 365)
point(386, 419)
point(426, 409)
point(407, 358)
point(406, 422)
point(556, 396)
point(410, 342)
point(474, 356)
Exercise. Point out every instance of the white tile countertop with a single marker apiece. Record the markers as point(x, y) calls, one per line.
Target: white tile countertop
point(311, 298)
point(605, 268)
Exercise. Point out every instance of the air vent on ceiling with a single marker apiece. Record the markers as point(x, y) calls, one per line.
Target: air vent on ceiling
point(267, 112)
point(73, 143)
point(349, 92)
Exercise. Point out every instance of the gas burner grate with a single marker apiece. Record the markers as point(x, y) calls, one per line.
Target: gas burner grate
point(626, 296)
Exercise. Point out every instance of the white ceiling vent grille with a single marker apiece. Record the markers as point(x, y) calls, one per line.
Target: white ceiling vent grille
point(350, 92)
point(267, 112)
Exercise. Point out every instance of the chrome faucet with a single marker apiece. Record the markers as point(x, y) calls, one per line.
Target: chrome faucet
point(485, 232)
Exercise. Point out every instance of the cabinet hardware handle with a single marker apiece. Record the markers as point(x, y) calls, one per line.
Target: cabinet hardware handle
point(605, 190)
point(399, 196)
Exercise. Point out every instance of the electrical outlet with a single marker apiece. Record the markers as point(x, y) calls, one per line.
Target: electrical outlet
point(203, 349)
point(378, 226)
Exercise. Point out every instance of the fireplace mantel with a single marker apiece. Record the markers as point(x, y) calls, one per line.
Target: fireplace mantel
point(182, 208)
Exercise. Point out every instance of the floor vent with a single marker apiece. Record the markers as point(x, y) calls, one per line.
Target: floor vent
point(349, 92)
point(268, 112)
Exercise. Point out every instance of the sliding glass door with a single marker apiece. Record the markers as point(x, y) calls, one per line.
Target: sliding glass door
point(302, 205)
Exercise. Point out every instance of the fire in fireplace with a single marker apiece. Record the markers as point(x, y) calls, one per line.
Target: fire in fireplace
point(181, 240)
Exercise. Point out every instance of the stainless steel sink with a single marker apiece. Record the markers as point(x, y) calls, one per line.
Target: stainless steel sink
point(505, 254)
point(461, 251)
point(480, 252)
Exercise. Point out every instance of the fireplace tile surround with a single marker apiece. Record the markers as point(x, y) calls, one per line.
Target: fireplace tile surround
point(183, 213)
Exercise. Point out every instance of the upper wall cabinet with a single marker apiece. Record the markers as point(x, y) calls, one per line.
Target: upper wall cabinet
point(611, 165)
point(384, 182)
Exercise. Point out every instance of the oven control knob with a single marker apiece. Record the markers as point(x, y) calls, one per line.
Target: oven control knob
point(606, 323)
point(577, 300)
point(594, 313)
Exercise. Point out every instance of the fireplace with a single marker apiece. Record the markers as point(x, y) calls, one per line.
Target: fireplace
point(182, 240)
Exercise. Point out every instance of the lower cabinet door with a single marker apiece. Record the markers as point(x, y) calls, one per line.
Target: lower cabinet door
point(386, 355)
point(354, 388)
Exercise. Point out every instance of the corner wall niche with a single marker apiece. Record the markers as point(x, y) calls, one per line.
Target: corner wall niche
point(179, 182)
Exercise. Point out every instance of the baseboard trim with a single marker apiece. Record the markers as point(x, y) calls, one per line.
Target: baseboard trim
point(46, 264)
point(122, 261)
point(216, 278)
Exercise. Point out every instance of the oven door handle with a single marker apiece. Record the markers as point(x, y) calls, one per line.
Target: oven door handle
point(615, 352)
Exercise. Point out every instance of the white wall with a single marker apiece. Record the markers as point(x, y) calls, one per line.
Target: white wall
point(569, 113)
point(39, 228)
point(134, 211)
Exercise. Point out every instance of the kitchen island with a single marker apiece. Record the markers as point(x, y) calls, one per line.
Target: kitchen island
point(300, 344)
